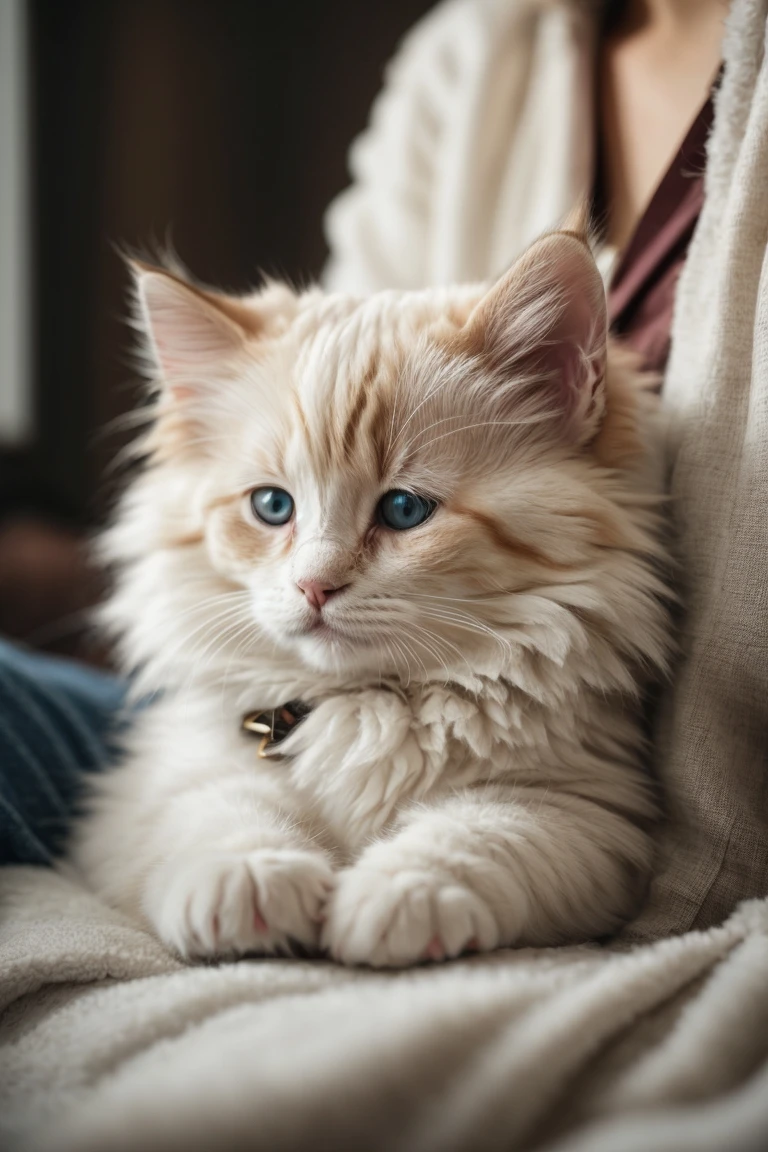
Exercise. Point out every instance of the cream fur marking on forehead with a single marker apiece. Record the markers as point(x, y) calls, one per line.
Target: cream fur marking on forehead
point(433, 517)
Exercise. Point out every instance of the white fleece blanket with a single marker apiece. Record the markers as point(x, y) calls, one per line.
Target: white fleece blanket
point(109, 1045)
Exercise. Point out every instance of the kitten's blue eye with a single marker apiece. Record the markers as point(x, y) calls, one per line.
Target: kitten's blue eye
point(402, 510)
point(272, 505)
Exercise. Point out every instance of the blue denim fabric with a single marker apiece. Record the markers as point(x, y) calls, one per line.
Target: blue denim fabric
point(57, 722)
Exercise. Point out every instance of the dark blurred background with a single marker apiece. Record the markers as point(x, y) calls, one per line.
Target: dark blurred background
point(222, 125)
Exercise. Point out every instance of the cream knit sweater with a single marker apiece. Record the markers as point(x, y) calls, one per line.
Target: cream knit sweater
point(480, 140)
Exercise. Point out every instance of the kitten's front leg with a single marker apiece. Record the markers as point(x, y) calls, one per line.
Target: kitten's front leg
point(487, 867)
point(224, 903)
point(196, 835)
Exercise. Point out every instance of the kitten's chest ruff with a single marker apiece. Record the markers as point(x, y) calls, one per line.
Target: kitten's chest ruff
point(357, 759)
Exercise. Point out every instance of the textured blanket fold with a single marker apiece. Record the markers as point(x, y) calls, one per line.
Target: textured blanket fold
point(108, 1045)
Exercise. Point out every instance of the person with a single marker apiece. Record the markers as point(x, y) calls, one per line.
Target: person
point(58, 721)
point(453, 179)
point(497, 116)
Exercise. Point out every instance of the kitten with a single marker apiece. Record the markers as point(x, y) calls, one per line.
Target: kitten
point(432, 519)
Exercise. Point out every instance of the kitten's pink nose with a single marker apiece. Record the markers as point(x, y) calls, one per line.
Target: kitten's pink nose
point(315, 593)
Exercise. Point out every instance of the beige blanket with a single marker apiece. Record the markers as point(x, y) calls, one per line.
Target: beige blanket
point(107, 1044)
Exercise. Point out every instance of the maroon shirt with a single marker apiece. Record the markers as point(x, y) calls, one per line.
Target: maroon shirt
point(641, 294)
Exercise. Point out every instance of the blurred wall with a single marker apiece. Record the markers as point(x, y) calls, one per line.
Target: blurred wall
point(220, 124)
point(15, 399)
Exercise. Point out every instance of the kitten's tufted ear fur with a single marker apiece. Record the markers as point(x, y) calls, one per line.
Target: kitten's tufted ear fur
point(542, 331)
point(195, 333)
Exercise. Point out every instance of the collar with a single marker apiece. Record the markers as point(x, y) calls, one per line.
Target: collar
point(273, 725)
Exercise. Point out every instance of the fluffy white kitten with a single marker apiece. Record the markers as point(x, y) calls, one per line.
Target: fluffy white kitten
point(432, 518)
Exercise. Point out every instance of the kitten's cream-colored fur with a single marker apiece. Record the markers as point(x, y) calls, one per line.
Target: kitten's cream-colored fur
point(470, 773)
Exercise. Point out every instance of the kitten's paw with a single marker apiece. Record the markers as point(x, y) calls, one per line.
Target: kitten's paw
point(230, 903)
point(394, 919)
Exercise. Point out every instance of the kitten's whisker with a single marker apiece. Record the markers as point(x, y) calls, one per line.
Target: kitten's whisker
point(448, 614)
point(404, 617)
point(444, 641)
point(202, 605)
point(232, 610)
point(462, 621)
point(434, 424)
point(234, 613)
point(480, 599)
point(430, 646)
point(464, 416)
point(398, 645)
point(468, 427)
point(430, 393)
point(214, 648)
point(392, 657)
point(458, 620)
point(415, 655)
point(211, 649)
point(242, 637)
point(200, 631)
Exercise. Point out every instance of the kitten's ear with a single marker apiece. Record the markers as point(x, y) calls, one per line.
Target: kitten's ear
point(542, 331)
point(192, 333)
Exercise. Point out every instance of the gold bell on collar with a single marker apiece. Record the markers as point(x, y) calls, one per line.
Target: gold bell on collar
point(273, 725)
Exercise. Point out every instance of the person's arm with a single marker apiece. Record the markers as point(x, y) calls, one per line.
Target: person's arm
point(378, 229)
point(479, 141)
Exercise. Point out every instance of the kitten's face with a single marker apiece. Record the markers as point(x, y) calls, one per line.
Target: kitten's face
point(356, 529)
point(379, 476)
